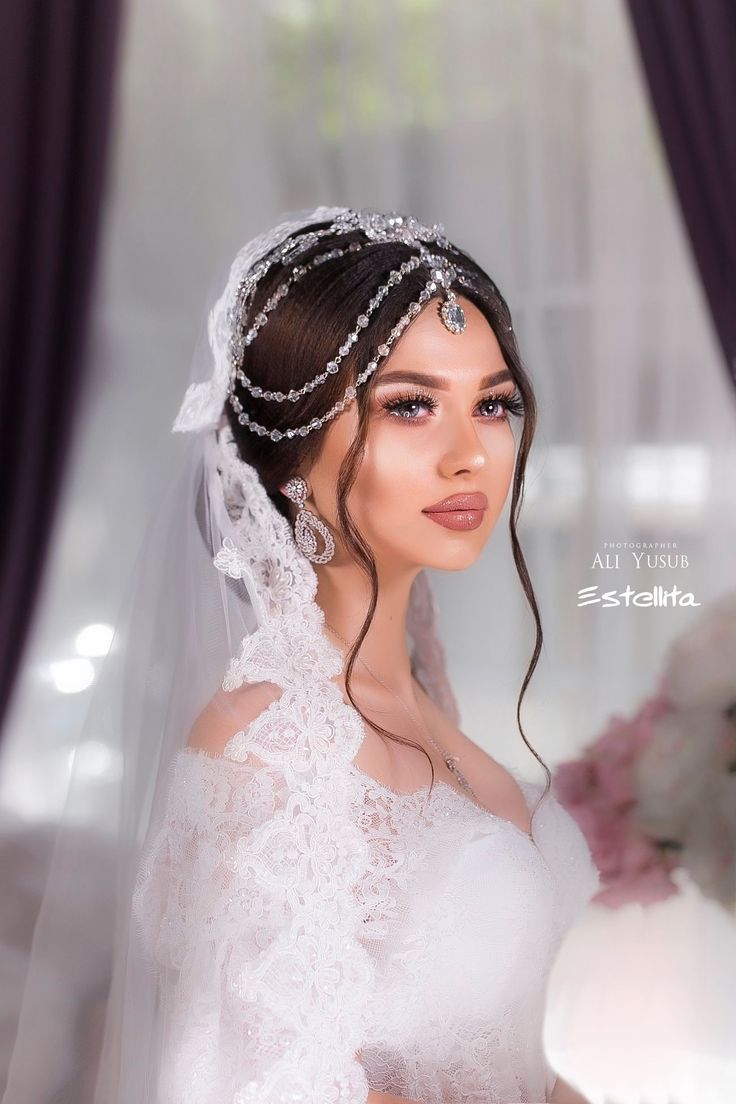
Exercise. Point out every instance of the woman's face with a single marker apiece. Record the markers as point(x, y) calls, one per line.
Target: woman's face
point(438, 427)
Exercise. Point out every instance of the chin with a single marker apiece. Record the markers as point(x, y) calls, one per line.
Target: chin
point(454, 563)
point(445, 550)
point(457, 555)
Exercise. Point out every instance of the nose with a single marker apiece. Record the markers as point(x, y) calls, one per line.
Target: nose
point(463, 451)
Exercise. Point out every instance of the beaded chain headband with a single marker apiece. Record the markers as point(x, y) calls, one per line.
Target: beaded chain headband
point(377, 228)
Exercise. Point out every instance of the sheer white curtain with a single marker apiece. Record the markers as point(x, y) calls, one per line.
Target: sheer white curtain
point(525, 129)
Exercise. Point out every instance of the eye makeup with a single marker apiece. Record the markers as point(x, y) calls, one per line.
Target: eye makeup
point(404, 405)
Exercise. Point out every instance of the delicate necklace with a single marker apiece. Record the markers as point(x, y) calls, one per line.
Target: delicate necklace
point(450, 761)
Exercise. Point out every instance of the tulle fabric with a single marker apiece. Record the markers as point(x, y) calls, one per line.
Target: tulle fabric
point(180, 624)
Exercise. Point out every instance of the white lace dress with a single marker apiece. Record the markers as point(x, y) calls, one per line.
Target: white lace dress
point(318, 934)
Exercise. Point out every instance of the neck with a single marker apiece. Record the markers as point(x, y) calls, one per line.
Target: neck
point(343, 594)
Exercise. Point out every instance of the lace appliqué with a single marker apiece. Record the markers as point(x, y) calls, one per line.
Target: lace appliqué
point(250, 893)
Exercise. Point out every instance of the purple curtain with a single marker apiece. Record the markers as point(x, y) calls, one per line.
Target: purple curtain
point(57, 66)
point(688, 52)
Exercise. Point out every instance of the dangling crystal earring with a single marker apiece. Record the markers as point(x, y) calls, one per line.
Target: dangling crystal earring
point(307, 524)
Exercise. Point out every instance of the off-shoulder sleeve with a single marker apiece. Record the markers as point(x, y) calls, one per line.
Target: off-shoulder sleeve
point(247, 906)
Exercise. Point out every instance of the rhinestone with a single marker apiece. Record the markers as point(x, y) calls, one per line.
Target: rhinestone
point(257, 392)
point(344, 350)
point(275, 435)
point(293, 395)
point(453, 316)
point(384, 350)
point(302, 431)
point(350, 392)
point(362, 320)
point(332, 367)
point(268, 394)
point(372, 365)
point(241, 419)
point(314, 424)
point(278, 395)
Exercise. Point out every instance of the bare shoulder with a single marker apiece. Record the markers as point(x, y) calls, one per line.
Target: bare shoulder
point(229, 712)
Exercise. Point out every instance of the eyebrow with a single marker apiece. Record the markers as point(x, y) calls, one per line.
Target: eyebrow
point(441, 383)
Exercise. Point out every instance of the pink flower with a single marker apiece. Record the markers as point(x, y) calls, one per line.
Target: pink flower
point(646, 888)
point(599, 791)
point(574, 781)
point(614, 781)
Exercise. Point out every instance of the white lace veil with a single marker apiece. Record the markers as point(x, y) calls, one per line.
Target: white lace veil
point(220, 595)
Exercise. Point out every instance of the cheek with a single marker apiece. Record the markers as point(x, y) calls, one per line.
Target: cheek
point(394, 478)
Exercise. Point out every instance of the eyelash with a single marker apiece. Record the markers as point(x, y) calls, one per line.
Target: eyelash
point(513, 404)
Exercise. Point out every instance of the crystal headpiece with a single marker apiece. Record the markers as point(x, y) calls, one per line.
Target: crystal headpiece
point(243, 329)
point(377, 227)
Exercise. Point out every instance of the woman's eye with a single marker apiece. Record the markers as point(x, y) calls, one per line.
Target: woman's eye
point(500, 409)
point(408, 409)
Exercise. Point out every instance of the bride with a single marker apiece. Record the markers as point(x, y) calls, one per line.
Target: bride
point(338, 896)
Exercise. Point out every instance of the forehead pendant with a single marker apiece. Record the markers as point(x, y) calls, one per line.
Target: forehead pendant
point(452, 314)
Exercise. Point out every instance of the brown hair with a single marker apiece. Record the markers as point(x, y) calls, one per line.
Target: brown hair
point(303, 333)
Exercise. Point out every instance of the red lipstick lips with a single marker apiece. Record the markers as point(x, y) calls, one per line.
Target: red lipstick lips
point(459, 511)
